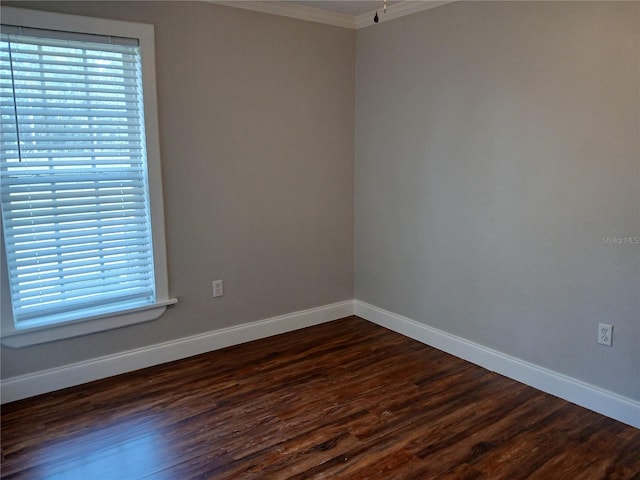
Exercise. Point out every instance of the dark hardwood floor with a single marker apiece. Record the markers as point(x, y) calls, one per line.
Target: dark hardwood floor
point(343, 400)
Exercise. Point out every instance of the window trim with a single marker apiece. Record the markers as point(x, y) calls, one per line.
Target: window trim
point(19, 337)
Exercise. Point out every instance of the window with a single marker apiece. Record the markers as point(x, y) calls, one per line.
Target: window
point(80, 187)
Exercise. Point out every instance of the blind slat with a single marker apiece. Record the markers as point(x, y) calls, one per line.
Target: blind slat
point(76, 274)
point(33, 204)
point(76, 189)
point(64, 91)
point(52, 98)
point(130, 232)
point(35, 126)
point(69, 82)
point(68, 180)
point(77, 250)
point(75, 216)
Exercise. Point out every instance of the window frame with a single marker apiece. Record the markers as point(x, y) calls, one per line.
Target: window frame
point(16, 337)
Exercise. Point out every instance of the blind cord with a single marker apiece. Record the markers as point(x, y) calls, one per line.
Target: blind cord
point(15, 105)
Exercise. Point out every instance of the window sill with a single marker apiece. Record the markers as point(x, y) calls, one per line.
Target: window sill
point(50, 333)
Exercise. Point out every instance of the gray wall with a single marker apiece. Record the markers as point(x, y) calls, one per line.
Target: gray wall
point(256, 118)
point(496, 145)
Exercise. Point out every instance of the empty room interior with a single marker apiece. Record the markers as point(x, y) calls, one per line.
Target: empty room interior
point(401, 248)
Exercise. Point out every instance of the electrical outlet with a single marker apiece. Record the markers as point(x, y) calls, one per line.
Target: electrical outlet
point(218, 288)
point(605, 334)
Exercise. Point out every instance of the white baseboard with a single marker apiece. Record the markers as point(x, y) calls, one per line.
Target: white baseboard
point(589, 396)
point(607, 403)
point(45, 381)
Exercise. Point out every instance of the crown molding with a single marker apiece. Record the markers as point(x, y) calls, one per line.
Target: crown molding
point(274, 7)
point(397, 10)
point(293, 11)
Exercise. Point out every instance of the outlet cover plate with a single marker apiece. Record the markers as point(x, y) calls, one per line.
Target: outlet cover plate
point(605, 334)
point(218, 288)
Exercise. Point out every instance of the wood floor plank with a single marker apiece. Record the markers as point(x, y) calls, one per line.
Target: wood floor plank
point(342, 400)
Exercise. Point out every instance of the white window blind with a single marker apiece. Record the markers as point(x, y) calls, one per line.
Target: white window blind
point(73, 177)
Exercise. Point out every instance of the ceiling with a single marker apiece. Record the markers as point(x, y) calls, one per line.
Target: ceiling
point(353, 14)
point(348, 7)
